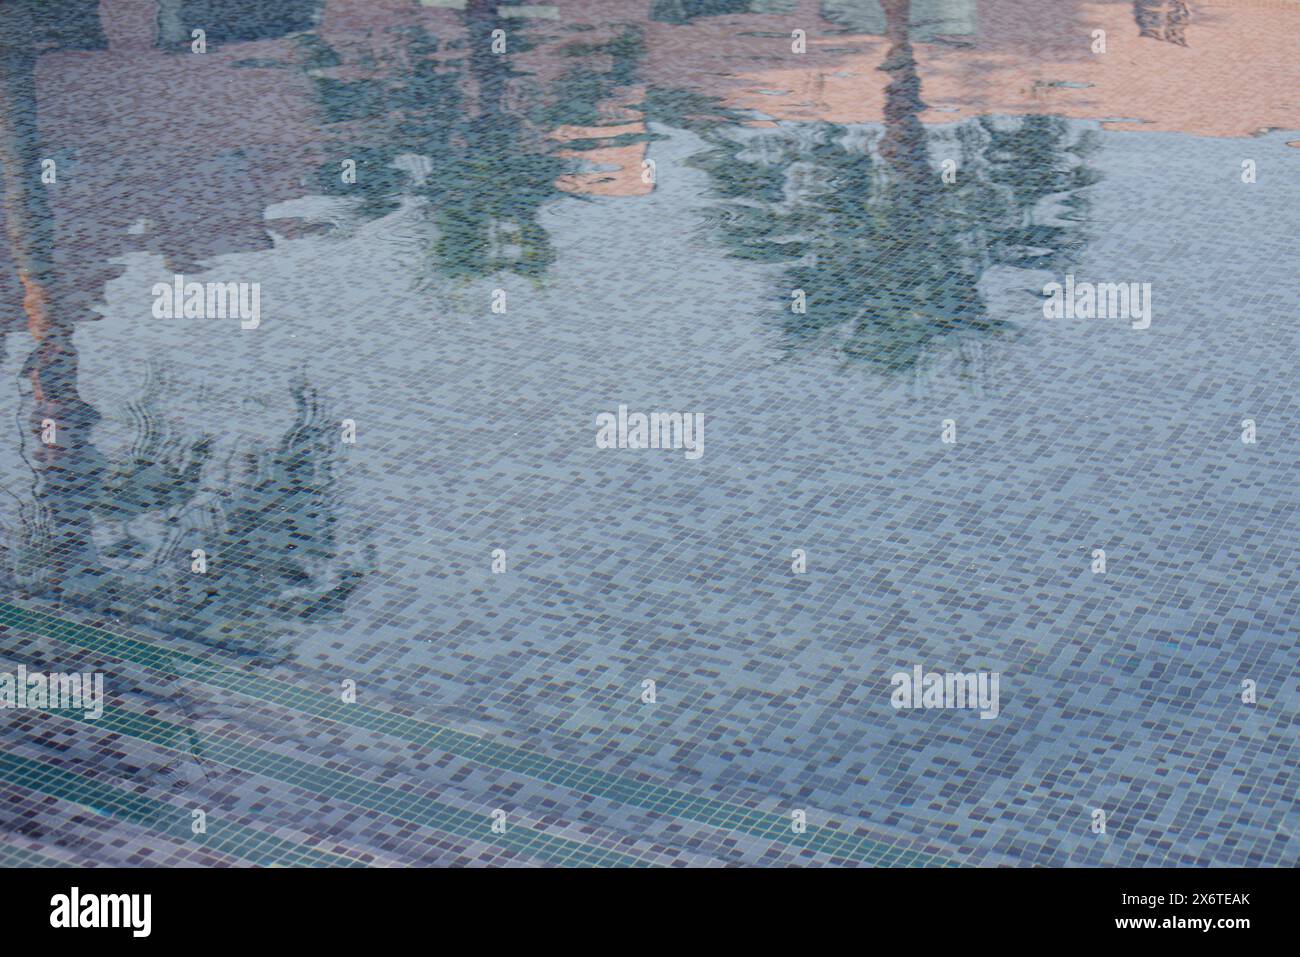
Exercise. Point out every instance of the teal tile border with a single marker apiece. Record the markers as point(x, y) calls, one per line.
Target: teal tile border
point(577, 777)
point(408, 806)
point(226, 837)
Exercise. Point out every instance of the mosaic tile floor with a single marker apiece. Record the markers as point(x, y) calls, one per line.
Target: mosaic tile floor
point(430, 601)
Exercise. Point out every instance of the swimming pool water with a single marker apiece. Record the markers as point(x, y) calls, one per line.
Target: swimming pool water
point(364, 583)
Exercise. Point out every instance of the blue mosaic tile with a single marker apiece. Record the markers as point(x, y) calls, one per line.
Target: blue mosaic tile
point(621, 434)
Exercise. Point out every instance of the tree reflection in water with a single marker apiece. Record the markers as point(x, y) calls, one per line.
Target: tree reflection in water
point(116, 535)
point(888, 254)
point(483, 169)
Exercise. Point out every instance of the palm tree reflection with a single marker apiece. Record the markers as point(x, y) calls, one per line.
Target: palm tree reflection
point(888, 254)
point(483, 171)
point(1163, 20)
point(117, 535)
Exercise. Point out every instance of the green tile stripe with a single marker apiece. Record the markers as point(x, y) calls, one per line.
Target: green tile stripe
point(227, 837)
point(409, 806)
point(569, 774)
